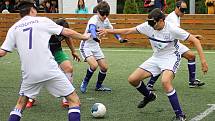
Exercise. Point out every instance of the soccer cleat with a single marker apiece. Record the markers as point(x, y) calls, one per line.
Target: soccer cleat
point(83, 86)
point(30, 103)
point(102, 88)
point(64, 104)
point(196, 83)
point(146, 100)
point(150, 87)
point(179, 118)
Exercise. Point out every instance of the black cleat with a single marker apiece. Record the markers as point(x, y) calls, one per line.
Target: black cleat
point(179, 118)
point(146, 100)
point(196, 83)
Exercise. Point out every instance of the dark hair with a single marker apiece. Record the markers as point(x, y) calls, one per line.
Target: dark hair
point(25, 7)
point(103, 7)
point(179, 2)
point(83, 6)
point(62, 22)
point(156, 14)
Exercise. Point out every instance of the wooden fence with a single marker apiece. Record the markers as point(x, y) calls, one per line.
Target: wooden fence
point(203, 24)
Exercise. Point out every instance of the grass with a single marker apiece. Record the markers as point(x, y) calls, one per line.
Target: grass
point(122, 101)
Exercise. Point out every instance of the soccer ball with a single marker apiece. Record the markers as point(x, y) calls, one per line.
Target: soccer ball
point(98, 110)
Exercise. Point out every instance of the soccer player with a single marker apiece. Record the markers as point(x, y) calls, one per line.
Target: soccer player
point(174, 17)
point(90, 50)
point(164, 38)
point(30, 35)
point(61, 57)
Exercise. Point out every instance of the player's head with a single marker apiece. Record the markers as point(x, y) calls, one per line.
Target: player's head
point(156, 19)
point(62, 22)
point(103, 10)
point(181, 8)
point(27, 7)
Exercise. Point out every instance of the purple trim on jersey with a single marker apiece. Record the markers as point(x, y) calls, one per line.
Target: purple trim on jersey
point(61, 31)
point(187, 37)
point(82, 49)
point(6, 50)
point(153, 39)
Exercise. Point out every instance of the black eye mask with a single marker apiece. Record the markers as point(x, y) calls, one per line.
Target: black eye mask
point(103, 13)
point(151, 22)
point(183, 10)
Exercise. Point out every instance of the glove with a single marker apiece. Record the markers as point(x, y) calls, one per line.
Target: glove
point(123, 40)
point(97, 40)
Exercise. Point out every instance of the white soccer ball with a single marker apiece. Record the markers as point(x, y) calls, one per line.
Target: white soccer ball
point(98, 110)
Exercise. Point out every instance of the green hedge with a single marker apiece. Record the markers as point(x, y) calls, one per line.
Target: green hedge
point(136, 6)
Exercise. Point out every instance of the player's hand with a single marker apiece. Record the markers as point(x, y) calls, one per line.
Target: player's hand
point(87, 36)
point(123, 40)
point(97, 40)
point(76, 57)
point(204, 67)
point(102, 32)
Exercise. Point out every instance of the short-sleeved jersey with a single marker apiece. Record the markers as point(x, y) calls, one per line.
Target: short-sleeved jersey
point(30, 35)
point(164, 42)
point(173, 18)
point(99, 25)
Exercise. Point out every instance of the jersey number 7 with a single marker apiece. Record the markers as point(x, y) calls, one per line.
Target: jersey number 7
point(30, 36)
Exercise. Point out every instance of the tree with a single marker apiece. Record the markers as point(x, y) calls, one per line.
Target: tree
point(130, 7)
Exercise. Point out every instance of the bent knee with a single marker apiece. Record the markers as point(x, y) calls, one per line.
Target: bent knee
point(133, 81)
point(68, 69)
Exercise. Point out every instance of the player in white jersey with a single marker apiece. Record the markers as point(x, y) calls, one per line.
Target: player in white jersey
point(164, 38)
point(30, 35)
point(90, 50)
point(174, 17)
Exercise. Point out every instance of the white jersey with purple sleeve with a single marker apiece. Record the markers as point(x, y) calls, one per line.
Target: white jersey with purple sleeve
point(30, 35)
point(95, 20)
point(165, 41)
point(173, 18)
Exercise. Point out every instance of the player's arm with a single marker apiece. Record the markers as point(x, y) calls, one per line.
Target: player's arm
point(71, 33)
point(93, 31)
point(198, 46)
point(120, 39)
point(71, 46)
point(119, 31)
point(2, 52)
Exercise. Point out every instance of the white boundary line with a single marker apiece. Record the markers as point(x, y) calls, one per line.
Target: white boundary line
point(205, 113)
point(139, 50)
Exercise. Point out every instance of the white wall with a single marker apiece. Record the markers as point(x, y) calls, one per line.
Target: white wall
point(69, 6)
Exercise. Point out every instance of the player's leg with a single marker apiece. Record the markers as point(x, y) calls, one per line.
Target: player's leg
point(135, 79)
point(93, 66)
point(193, 82)
point(26, 91)
point(60, 86)
point(67, 68)
point(101, 76)
point(166, 80)
point(16, 113)
point(151, 82)
point(74, 107)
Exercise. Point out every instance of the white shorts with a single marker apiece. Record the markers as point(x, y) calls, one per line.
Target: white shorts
point(90, 51)
point(182, 48)
point(59, 86)
point(155, 65)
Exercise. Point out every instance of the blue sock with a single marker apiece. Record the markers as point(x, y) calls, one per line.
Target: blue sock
point(152, 80)
point(142, 89)
point(173, 99)
point(88, 75)
point(15, 115)
point(192, 70)
point(74, 113)
point(101, 77)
